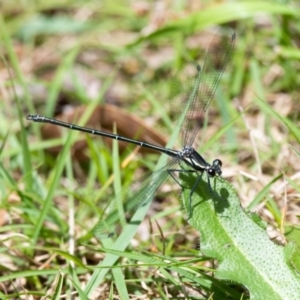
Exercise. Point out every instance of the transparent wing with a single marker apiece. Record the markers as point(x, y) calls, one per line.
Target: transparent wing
point(194, 86)
point(133, 197)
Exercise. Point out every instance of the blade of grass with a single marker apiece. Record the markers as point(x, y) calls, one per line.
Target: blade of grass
point(14, 62)
point(129, 231)
point(218, 135)
point(58, 289)
point(219, 14)
point(80, 292)
point(56, 175)
point(57, 82)
point(293, 128)
point(223, 104)
point(117, 272)
point(61, 162)
point(264, 105)
point(263, 193)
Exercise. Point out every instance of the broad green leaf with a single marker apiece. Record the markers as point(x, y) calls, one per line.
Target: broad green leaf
point(242, 248)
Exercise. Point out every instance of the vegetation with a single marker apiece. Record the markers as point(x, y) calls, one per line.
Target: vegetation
point(65, 59)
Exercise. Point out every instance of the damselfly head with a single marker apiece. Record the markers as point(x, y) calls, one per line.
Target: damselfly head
point(215, 169)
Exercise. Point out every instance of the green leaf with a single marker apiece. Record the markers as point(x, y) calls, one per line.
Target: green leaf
point(242, 248)
point(219, 14)
point(58, 289)
point(294, 130)
point(80, 292)
point(292, 233)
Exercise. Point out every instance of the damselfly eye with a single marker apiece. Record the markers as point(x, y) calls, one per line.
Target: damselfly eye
point(211, 172)
point(217, 163)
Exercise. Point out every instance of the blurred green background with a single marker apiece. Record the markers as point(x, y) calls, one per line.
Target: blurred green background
point(58, 55)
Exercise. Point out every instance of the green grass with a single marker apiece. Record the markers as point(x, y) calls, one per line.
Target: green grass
point(87, 52)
